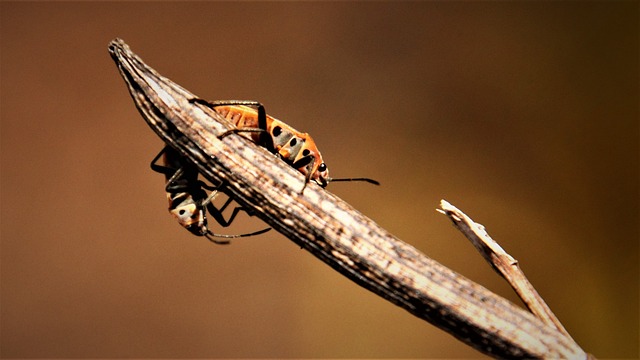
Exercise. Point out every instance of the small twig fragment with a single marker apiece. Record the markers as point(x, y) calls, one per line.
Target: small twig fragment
point(503, 263)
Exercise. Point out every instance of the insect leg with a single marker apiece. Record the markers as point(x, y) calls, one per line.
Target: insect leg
point(217, 213)
point(215, 103)
point(305, 160)
point(307, 177)
point(206, 186)
point(238, 130)
point(162, 169)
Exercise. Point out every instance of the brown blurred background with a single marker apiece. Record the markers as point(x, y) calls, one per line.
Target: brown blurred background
point(524, 115)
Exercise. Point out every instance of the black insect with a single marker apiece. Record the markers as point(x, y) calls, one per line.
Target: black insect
point(188, 200)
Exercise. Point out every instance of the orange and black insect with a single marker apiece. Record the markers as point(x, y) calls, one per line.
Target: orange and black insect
point(188, 200)
point(297, 149)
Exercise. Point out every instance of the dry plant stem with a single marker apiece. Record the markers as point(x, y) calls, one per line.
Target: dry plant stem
point(332, 230)
point(503, 263)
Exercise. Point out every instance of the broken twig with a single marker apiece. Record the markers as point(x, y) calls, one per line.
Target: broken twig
point(503, 263)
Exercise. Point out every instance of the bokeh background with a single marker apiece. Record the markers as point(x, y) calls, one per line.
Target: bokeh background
point(524, 115)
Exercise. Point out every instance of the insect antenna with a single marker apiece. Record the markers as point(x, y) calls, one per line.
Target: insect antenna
point(211, 236)
point(371, 181)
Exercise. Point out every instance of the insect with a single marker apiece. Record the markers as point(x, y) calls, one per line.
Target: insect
point(188, 200)
point(296, 148)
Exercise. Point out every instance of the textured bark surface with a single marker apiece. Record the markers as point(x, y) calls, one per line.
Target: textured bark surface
point(331, 229)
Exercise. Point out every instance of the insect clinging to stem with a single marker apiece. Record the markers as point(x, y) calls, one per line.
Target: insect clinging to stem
point(297, 149)
point(188, 200)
